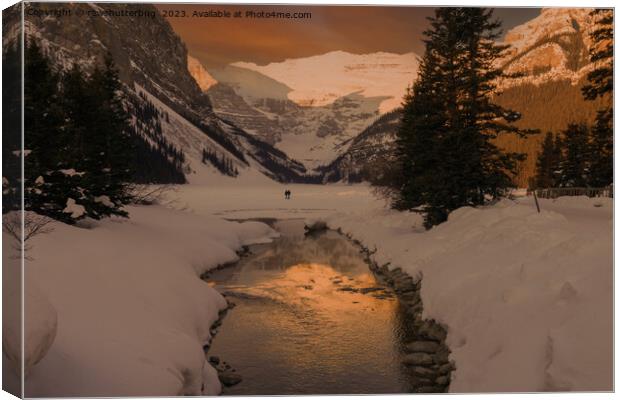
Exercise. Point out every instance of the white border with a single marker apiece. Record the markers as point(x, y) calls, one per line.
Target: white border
point(486, 3)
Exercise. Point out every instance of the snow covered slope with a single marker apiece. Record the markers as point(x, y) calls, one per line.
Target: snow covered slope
point(133, 314)
point(527, 297)
point(255, 161)
point(366, 155)
point(309, 107)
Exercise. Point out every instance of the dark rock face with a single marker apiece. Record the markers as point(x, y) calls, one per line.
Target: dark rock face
point(232, 107)
point(144, 48)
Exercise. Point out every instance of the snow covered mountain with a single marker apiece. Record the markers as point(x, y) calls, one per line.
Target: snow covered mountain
point(368, 154)
point(288, 118)
point(550, 53)
point(153, 64)
point(550, 47)
point(321, 80)
point(311, 107)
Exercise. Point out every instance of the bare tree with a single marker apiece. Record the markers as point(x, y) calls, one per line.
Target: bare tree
point(150, 194)
point(34, 224)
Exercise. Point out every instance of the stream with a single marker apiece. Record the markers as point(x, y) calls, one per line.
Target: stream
point(310, 317)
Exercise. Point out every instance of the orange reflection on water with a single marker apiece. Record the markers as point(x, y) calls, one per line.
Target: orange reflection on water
point(310, 319)
point(322, 288)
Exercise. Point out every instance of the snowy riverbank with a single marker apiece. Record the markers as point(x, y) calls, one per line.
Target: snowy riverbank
point(132, 313)
point(526, 297)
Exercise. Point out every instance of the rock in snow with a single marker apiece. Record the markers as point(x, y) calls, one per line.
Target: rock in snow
point(229, 378)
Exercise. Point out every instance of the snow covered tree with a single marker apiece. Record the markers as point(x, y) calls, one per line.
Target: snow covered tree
point(76, 139)
point(47, 186)
point(445, 143)
point(600, 84)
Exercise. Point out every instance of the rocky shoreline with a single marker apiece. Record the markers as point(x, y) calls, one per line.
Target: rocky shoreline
point(227, 375)
point(426, 353)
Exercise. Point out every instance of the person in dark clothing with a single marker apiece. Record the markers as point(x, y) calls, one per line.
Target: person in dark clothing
point(287, 193)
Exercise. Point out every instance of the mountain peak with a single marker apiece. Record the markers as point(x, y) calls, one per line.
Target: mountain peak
point(200, 74)
point(553, 46)
point(320, 80)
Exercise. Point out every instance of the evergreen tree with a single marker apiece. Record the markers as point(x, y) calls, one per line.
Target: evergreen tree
point(445, 142)
point(601, 54)
point(492, 170)
point(600, 85)
point(558, 155)
point(76, 140)
point(48, 187)
point(11, 127)
point(575, 164)
point(602, 166)
point(548, 162)
point(79, 107)
point(109, 145)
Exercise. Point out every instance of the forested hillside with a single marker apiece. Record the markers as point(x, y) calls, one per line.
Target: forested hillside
point(550, 106)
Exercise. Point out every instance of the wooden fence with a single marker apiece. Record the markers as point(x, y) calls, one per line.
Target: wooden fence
point(552, 193)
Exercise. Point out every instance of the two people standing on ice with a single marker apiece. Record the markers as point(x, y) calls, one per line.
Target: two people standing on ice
point(287, 194)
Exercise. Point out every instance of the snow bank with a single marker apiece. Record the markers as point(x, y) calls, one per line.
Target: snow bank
point(132, 313)
point(526, 297)
point(40, 325)
point(39, 329)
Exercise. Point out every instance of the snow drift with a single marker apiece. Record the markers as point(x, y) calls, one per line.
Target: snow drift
point(132, 313)
point(38, 336)
point(526, 297)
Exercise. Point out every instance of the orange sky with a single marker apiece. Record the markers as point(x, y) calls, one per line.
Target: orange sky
point(356, 29)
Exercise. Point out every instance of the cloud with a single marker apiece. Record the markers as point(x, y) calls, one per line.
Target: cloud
point(356, 29)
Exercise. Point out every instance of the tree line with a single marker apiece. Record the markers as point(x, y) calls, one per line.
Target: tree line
point(581, 155)
point(223, 164)
point(549, 106)
point(77, 148)
point(448, 146)
point(83, 153)
point(156, 160)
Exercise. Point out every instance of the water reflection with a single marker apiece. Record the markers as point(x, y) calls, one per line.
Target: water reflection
point(310, 319)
